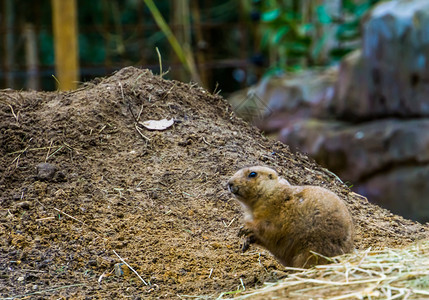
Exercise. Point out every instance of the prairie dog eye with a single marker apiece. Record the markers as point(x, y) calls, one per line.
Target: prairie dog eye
point(252, 174)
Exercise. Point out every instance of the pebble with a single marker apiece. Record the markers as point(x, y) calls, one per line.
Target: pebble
point(46, 171)
point(121, 269)
point(24, 205)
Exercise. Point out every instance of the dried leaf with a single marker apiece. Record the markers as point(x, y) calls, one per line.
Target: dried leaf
point(157, 124)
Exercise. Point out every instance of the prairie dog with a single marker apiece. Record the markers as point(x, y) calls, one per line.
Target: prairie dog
point(290, 221)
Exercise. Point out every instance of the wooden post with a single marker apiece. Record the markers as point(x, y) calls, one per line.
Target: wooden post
point(9, 61)
point(64, 16)
point(31, 60)
point(201, 44)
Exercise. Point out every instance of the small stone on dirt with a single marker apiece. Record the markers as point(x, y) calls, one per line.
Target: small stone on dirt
point(46, 171)
point(24, 205)
point(92, 262)
point(121, 269)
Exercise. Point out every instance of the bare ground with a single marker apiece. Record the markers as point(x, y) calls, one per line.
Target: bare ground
point(156, 198)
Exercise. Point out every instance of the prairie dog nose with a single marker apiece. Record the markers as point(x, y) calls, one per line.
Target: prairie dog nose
point(232, 188)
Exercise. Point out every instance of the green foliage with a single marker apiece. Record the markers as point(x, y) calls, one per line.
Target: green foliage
point(298, 34)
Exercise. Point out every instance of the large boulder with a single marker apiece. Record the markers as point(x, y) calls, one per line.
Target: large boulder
point(356, 152)
point(277, 102)
point(389, 77)
point(402, 188)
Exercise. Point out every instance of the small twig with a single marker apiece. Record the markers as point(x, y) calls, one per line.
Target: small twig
point(358, 195)
point(102, 276)
point(102, 128)
point(187, 194)
point(140, 112)
point(169, 91)
point(207, 142)
point(338, 283)
point(211, 272)
point(160, 62)
point(143, 136)
point(45, 291)
point(214, 91)
point(19, 156)
point(364, 256)
point(49, 150)
point(333, 174)
point(135, 272)
point(294, 269)
point(229, 224)
point(13, 113)
point(54, 152)
point(129, 107)
point(242, 284)
point(135, 85)
point(57, 81)
point(119, 190)
point(68, 146)
point(260, 263)
point(357, 295)
point(323, 256)
point(47, 218)
point(31, 149)
point(68, 215)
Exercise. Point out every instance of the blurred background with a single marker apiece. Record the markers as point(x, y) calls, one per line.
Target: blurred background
point(226, 43)
point(346, 81)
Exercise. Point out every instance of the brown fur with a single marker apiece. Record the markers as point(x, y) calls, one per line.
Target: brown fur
point(290, 221)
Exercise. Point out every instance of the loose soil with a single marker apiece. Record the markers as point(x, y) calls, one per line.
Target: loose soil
point(156, 198)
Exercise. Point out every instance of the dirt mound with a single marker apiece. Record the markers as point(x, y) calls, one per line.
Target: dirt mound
point(156, 198)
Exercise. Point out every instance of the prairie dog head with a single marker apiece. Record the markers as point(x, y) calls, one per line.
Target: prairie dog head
point(253, 183)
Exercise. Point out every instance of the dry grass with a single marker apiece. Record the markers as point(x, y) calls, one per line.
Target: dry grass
point(371, 274)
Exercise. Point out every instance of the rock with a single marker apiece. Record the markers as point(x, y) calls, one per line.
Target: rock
point(277, 102)
point(122, 269)
point(46, 171)
point(348, 92)
point(49, 172)
point(389, 77)
point(24, 205)
point(402, 190)
point(355, 152)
